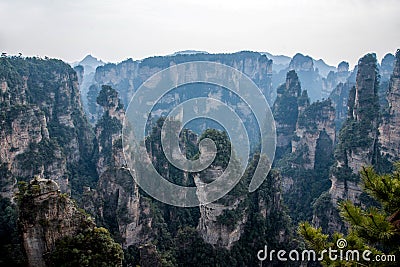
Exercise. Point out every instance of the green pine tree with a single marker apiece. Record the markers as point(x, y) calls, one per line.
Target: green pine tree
point(375, 228)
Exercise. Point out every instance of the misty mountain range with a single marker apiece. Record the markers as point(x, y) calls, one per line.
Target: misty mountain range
point(69, 198)
point(315, 76)
point(280, 62)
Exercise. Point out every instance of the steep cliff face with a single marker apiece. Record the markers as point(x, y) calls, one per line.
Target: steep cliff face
point(357, 142)
point(285, 111)
point(215, 233)
point(115, 200)
point(225, 223)
point(334, 78)
point(109, 130)
point(389, 130)
point(299, 124)
point(117, 204)
point(340, 94)
point(304, 166)
point(359, 136)
point(316, 124)
point(28, 126)
point(222, 222)
point(43, 129)
point(365, 98)
point(56, 232)
point(47, 216)
point(127, 76)
point(221, 225)
point(340, 97)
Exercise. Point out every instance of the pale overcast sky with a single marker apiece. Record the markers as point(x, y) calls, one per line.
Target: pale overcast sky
point(114, 30)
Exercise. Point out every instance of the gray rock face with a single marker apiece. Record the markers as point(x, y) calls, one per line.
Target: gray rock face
point(46, 216)
point(117, 204)
point(363, 112)
point(40, 121)
point(215, 233)
point(389, 130)
point(363, 141)
point(299, 124)
point(366, 88)
point(340, 97)
point(286, 109)
point(344, 190)
point(28, 127)
point(222, 223)
point(333, 79)
point(116, 201)
point(312, 122)
point(109, 132)
point(211, 228)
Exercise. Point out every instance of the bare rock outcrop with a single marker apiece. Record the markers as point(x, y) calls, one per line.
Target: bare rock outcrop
point(316, 122)
point(46, 216)
point(389, 130)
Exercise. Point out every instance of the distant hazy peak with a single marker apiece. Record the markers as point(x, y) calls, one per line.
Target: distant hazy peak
point(343, 66)
point(323, 68)
point(301, 62)
point(90, 60)
point(388, 60)
point(278, 59)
